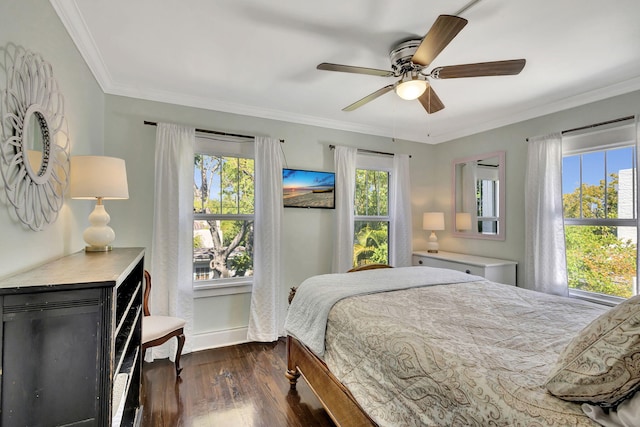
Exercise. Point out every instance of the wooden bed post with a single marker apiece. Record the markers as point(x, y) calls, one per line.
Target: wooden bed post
point(333, 395)
point(292, 373)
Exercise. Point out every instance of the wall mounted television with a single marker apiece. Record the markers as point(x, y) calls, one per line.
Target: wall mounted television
point(308, 189)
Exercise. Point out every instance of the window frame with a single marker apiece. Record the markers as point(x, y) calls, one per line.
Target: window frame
point(382, 163)
point(222, 146)
point(608, 138)
point(493, 185)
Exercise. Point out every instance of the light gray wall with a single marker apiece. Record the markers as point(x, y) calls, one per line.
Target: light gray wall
point(308, 233)
point(512, 139)
point(34, 25)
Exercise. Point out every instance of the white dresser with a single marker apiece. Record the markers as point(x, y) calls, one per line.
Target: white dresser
point(496, 270)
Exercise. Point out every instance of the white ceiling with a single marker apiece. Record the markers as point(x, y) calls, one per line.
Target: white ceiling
point(259, 58)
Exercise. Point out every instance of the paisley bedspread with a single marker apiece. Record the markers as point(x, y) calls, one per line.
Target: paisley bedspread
point(466, 354)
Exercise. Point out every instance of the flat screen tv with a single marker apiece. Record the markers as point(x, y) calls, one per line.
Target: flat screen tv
point(308, 189)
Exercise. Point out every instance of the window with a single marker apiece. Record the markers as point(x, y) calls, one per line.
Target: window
point(600, 209)
point(487, 191)
point(371, 212)
point(223, 206)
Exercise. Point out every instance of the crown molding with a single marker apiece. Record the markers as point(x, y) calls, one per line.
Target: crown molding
point(77, 29)
point(599, 94)
point(271, 114)
point(73, 21)
point(246, 110)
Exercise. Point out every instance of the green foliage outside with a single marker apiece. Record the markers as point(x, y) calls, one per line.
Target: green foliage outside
point(597, 260)
point(226, 188)
point(371, 243)
point(234, 180)
point(593, 200)
point(241, 263)
point(197, 242)
point(371, 193)
point(371, 238)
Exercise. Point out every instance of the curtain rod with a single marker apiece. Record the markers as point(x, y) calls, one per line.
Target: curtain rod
point(213, 132)
point(595, 125)
point(364, 150)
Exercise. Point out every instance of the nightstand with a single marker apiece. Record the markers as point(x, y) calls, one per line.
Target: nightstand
point(494, 269)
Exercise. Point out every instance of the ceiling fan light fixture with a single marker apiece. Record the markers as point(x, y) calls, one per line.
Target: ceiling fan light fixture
point(411, 87)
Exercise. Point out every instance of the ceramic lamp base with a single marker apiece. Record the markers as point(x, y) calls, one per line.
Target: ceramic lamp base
point(98, 235)
point(432, 245)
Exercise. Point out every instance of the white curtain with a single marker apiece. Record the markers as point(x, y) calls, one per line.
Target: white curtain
point(172, 246)
point(268, 297)
point(636, 288)
point(401, 232)
point(469, 197)
point(545, 259)
point(345, 167)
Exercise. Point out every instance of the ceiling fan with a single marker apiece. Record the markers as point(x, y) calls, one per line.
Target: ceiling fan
point(411, 58)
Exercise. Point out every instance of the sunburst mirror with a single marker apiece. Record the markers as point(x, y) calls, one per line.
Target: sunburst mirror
point(34, 152)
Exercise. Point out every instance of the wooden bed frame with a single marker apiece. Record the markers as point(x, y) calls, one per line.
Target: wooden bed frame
point(334, 396)
point(336, 399)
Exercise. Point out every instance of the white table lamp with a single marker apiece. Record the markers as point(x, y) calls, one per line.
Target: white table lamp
point(463, 221)
point(433, 221)
point(101, 178)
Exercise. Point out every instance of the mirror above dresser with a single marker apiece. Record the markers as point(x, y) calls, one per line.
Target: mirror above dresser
point(478, 199)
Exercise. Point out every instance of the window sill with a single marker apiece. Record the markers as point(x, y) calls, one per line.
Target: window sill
point(603, 299)
point(222, 287)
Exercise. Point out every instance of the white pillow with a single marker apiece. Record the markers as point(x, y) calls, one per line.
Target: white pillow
point(627, 414)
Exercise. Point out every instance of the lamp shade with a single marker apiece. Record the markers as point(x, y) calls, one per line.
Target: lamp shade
point(433, 221)
point(98, 177)
point(463, 221)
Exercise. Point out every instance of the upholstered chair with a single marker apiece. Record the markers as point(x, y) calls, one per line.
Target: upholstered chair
point(157, 330)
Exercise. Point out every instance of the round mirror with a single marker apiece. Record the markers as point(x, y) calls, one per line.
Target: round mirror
point(36, 143)
point(34, 150)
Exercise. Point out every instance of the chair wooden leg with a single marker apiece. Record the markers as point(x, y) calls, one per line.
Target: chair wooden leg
point(179, 353)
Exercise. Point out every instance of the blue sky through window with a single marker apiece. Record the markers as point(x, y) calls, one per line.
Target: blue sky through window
point(214, 184)
point(593, 167)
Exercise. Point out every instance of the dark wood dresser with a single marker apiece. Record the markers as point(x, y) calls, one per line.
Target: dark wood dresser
point(70, 341)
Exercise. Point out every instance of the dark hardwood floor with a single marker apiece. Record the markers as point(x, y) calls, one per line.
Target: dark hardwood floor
point(241, 385)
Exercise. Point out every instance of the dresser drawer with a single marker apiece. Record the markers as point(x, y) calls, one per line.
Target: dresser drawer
point(439, 263)
point(496, 270)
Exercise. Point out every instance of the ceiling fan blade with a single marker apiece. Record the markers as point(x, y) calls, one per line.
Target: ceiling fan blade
point(351, 69)
point(439, 36)
point(481, 69)
point(430, 101)
point(368, 98)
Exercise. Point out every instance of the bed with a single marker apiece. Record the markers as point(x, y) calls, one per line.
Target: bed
point(428, 346)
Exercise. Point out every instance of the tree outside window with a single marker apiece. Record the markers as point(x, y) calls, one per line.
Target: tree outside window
point(223, 206)
point(599, 201)
point(371, 227)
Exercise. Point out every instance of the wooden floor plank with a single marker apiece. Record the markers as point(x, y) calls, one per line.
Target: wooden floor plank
point(242, 385)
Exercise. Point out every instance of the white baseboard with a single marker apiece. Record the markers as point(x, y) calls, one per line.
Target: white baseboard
point(207, 340)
